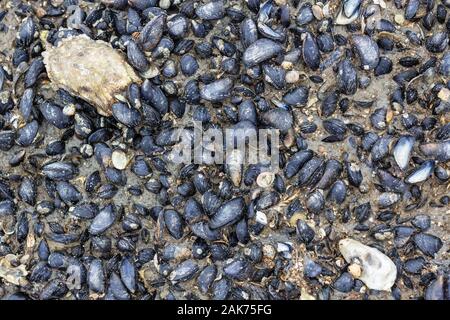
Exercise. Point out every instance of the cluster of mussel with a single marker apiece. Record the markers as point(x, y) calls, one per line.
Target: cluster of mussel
point(92, 208)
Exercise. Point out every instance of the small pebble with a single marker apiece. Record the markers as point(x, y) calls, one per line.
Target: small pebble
point(292, 76)
point(119, 159)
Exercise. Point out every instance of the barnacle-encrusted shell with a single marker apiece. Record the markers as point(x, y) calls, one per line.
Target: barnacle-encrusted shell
point(91, 70)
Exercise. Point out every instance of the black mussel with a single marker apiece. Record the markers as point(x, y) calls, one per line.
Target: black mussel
point(27, 32)
point(329, 104)
point(238, 269)
point(151, 34)
point(380, 148)
point(128, 274)
point(312, 269)
point(136, 57)
point(437, 42)
point(297, 96)
point(427, 243)
point(344, 283)
point(248, 32)
point(333, 169)
point(54, 289)
point(174, 223)
point(310, 171)
point(68, 192)
point(296, 162)
point(217, 91)
point(85, 210)
point(228, 213)
point(127, 115)
point(28, 191)
point(363, 212)
point(267, 200)
point(206, 278)
point(305, 233)
point(414, 265)
point(421, 173)
point(378, 118)
point(367, 50)
point(27, 134)
point(261, 50)
point(221, 289)
point(279, 119)
point(184, 271)
point(274, 75)
point(103, 220)
point(60, 171)
point(7, 208)
point(189, 65)
point(354, 174)
point(33, 72)
point(325, 42)
point(116, 289)
point(384, 66)
point(444, 67)
point(55, 147)
point(7, 138)
point(211, 11)
point(96, 276)
point(347, 77)
point(338, 192)
point(310, 51)
point(411, 9)
point(315, 201)
point(155, 97)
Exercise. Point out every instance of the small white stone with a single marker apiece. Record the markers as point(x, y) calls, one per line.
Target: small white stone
point(444, 94)
point(292, 76)
point(305, 295)
point(317, 12)
point(119, 159)
point(381, 3)
point(269, 251)
point(399, 19)
point(322, 233)
point(164, 4)
point(69, 110)
point(355, 270)
point(287, 65)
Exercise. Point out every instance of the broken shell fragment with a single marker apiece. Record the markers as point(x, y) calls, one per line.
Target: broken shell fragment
point(15, 275)
point(74, 65)
point(378, 272)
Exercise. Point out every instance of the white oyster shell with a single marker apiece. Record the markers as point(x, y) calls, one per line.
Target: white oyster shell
point(378, 271)
point(89, 69)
